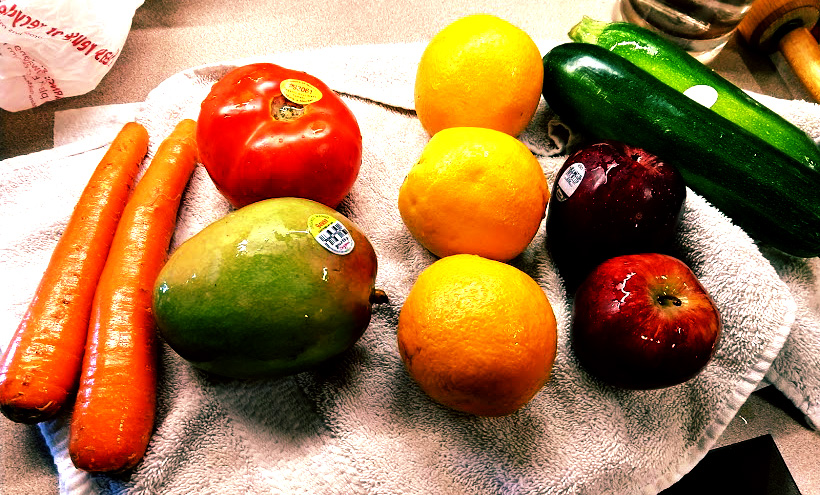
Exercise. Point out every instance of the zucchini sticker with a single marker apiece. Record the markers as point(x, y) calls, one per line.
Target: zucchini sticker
point(330, 233)
point(703, 94)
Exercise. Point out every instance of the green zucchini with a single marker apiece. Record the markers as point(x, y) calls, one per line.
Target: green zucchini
point(675, 67)
point(772, 196)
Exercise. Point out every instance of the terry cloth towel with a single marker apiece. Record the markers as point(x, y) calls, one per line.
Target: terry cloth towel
point(360, 425)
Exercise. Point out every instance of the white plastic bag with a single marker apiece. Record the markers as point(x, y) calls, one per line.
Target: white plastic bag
point(52, 49)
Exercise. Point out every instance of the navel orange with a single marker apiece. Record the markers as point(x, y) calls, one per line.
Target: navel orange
point(479, 71)
point(474, 191)
point(477, 335)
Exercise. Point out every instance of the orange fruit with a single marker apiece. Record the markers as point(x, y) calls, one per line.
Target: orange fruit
point(474, 191)
point(479, 71)
point(477, 335)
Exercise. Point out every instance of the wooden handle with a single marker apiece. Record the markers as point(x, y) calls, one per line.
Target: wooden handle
point(802, 52)
point(766, 20)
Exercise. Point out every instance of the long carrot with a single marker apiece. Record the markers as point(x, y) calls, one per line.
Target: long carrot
point(114, 412)
point(40, 368)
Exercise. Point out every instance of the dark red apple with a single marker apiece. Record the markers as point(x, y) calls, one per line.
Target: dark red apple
point(611, 199)
point(644, 321)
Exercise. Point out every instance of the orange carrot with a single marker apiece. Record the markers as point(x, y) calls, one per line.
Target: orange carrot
point(113, 416)
point(41, 366)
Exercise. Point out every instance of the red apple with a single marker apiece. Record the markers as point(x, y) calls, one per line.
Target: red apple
point(610, 199)
point(644, 321)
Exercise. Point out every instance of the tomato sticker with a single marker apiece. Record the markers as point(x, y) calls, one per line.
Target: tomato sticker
point(569, 181)
point(330, 233)
point(300, 92)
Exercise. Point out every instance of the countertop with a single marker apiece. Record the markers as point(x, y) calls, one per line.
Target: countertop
point(169, 36)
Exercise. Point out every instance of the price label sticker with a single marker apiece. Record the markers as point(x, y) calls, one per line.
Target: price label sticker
point(569, 181)
point(330, 233)
point(703, 94)
point(300, 92)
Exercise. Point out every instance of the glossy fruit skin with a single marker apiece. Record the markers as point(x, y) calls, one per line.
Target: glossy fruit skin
point(255, 295)
point(765, 191)
point(628, 331)
point(252, 152)
point(628, 201)
point(675, 67)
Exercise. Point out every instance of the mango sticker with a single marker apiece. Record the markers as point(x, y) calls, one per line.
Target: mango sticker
point(300, 92)
point(330, 233)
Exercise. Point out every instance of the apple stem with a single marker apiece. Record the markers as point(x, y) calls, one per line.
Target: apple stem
point(666, 300)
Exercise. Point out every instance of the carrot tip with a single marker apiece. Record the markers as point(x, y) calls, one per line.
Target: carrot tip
point(27, 415)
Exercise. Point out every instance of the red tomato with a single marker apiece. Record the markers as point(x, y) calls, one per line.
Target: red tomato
point(265, 131)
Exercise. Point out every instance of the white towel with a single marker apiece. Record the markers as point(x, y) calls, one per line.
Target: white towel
point(359, 425)
point(795, 371)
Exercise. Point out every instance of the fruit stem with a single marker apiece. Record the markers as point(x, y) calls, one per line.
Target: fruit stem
point(285, 110)
point(379, 297)
point(588, 30)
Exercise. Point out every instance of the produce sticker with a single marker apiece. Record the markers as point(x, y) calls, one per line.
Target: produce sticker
point(703, 94)
point(330, 233)
point(570, 180)
point(300, 92)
